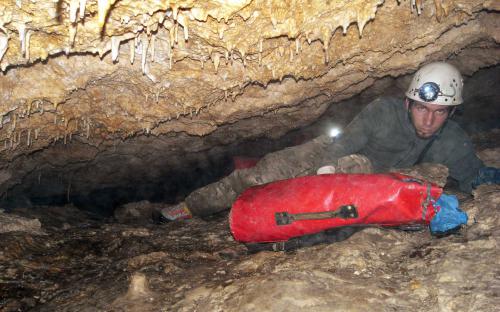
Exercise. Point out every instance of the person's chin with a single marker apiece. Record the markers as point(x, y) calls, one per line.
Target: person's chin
point(424, 135)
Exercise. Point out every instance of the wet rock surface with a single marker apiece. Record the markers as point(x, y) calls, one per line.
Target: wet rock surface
point(195, 265)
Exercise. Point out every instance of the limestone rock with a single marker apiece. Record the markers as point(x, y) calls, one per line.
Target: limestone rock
point(13, 223)
point(434, 173)
point(490, 157)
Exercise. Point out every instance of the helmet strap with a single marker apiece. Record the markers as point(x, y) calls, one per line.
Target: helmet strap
point(452, 111)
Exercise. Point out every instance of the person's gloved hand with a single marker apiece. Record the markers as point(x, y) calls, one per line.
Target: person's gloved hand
point(355, 163)
point(487, 175)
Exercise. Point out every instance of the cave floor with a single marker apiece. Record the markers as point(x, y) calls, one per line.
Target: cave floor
point(195, 265)
point(88, 265)
point(75, 262)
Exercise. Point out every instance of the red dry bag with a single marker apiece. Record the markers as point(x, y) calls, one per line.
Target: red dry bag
point(290, 208)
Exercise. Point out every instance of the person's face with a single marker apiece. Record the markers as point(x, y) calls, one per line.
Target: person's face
point(427, 118)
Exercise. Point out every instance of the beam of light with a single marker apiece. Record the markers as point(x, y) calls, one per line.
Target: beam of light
point(334, 132)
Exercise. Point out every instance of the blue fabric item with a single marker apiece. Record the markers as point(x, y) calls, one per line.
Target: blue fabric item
point(487, 175)
point(449, 216)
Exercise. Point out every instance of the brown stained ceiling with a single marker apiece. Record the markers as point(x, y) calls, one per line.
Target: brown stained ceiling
point(94, 73)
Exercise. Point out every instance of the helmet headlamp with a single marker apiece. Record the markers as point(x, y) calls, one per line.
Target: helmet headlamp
point(429, 91)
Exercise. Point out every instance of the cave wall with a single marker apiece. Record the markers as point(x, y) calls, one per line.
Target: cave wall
point(118, 94)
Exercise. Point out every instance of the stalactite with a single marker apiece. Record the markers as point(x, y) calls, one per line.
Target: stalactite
point(145, 45)
point(172, 36)
point(28, 40)
point(361, 24)
point(73, 9)
point(28, 109)
point(103, 7)
point(72, 34)
point(153, 44)
point(115, 48)
point(14, 122)
point(4, 43)
point(281, 51)
point(132, 50)
point(216, 60)
point(28, 139)
point(220, 31)
point(182, 20)
point(175, 12)
point(170, 60)
point(168, 48)
point(326, 43)
point(441, 10)
point(345, 25)
point(21, 28)
point(82, 8)
point(176, 33)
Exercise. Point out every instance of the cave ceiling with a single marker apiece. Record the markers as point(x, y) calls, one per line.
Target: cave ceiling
point(162, 74)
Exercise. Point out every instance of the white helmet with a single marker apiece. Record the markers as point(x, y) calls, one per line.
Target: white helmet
point(437, 83)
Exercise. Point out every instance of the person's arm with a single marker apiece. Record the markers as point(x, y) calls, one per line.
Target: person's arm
point(464, 165)
point(357, 133)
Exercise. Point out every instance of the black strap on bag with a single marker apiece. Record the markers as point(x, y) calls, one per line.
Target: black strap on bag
point(325, 237)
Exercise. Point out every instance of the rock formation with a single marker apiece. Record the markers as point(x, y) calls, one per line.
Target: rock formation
point(91, 87)
point(104, 102)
